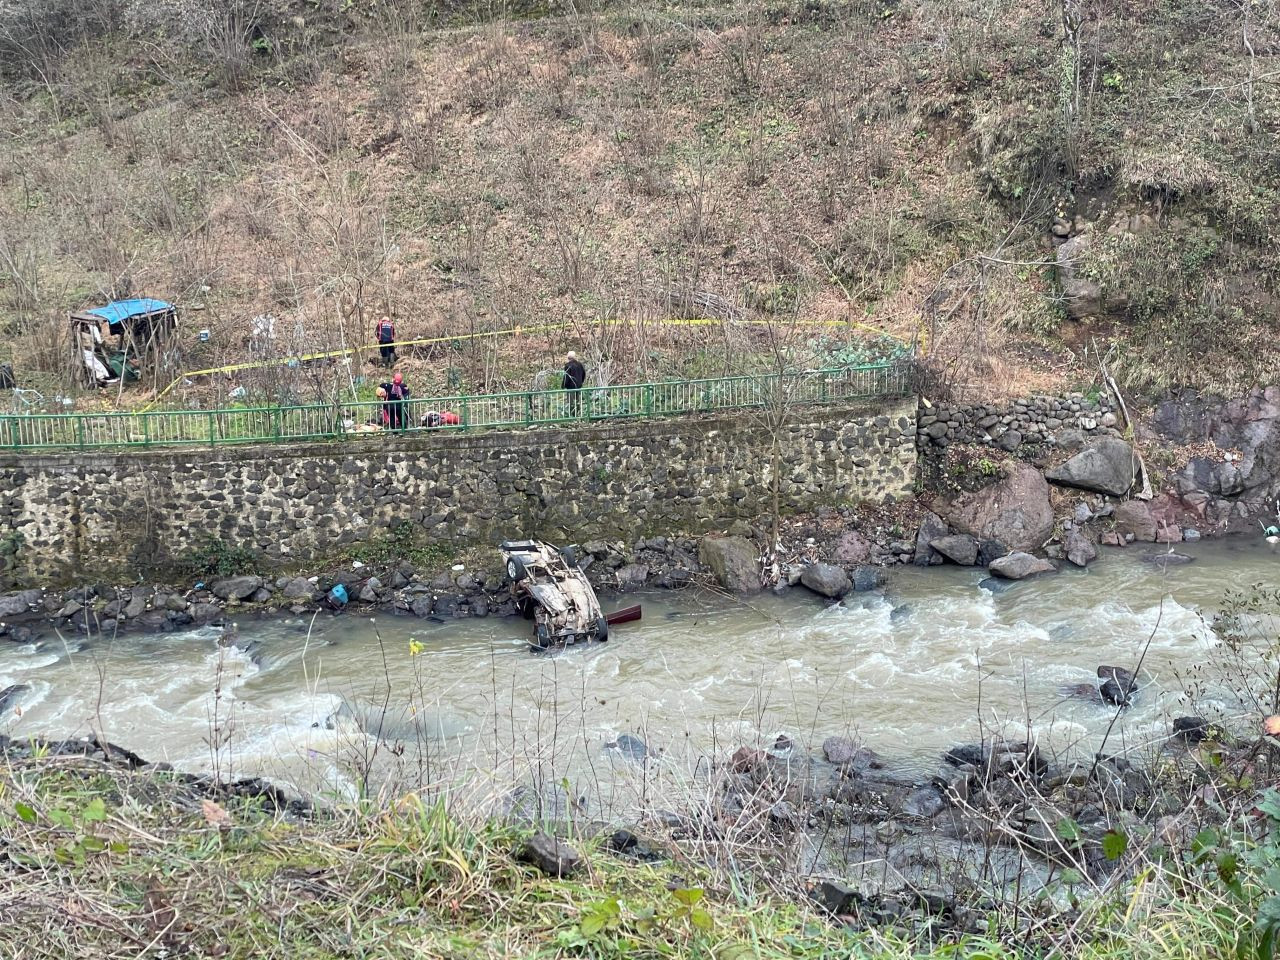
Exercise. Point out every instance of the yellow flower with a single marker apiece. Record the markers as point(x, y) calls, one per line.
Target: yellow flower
point(415, 648)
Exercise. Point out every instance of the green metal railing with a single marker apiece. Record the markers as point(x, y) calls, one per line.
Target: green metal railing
point(328, 421)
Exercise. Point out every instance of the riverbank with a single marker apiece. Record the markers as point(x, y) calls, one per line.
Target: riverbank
point(107, 856)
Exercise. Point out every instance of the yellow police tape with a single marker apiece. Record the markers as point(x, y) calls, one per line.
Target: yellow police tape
point(513, 331)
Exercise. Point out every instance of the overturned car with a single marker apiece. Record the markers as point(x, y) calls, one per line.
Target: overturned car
point(553, 591)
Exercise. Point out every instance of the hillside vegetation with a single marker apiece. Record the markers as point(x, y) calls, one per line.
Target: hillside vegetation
point(906, 165)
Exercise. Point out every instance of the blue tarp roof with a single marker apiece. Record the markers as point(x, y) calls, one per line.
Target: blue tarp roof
point(121, 310)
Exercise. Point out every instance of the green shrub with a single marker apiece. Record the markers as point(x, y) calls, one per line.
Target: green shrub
point(217, 558)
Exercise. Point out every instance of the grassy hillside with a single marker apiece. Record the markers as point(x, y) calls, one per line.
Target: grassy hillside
point(899, 164)
point(103, 862)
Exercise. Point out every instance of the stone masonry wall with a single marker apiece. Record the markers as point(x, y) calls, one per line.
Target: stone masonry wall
point(117, 515)
point(1019, 426)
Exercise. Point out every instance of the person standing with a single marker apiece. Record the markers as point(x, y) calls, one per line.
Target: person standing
point(575, 375)
point(386, 334)
point(397, 395)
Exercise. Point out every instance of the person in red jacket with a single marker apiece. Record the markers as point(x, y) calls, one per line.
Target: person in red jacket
point(446, 418)
point(386, 334)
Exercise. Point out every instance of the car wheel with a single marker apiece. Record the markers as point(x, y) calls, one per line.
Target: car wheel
point(602, 628)
point(570, 556)
point(516, 570)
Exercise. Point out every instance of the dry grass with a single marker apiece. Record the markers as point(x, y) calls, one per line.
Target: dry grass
point(471, 177)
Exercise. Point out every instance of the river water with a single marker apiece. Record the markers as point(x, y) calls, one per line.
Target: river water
point(937, 659)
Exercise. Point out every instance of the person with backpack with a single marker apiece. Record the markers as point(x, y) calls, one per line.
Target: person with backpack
point(386, 334)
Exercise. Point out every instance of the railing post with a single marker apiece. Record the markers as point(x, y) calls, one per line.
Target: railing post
point(80, 431)
point(528, 409)
point(588, 393)
point(648, 399)
point(213, 431)
point(146, 430)
point(13, 432)
point(277, 416)
point(466, 413)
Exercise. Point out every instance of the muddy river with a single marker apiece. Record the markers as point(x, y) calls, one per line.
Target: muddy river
point(340, 704)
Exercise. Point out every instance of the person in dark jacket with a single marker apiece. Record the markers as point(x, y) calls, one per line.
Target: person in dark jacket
point(397, 394)
point(386, 334)
point(575, 375)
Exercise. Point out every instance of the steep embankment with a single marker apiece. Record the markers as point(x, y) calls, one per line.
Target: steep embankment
point(1017, 178)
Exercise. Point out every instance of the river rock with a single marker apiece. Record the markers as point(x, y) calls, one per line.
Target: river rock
point(422, 607)
point(1166, 560)
point(631, 747)
point(958, 548)
point(733, 561)
point(834, 897)
point(175, 602)
point(1191, 729)
point(839, 750)
point(135, 608)
point(632, 577)
point(1105, 466)
point(551, 856)
point(966, 755)
point(16, 604)
point(867, 577)
point(205, 612)
point(850, 757)
point(236, 588)
point(989, 550)
point(826, 579)
point(925, 802)
point(298, 588)
point(932, 527)
point(1118, 685)
point(1014, 510)
point(1133, 518)
point(1079, 549)
point(1019, 566)
point(394, 722)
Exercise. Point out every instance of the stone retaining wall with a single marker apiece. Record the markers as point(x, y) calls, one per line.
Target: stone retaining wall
point(1019, 426)
point(119, 515)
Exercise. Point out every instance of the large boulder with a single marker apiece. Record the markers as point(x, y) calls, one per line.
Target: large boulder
point(958, 548)
point(1014, 510)
point(932, 527)
point(238, 588)
point(826, 579)
point(1105, 466)
point(16, 604)
point(1081, 295)
point(733, 561)
point(1019, 566)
